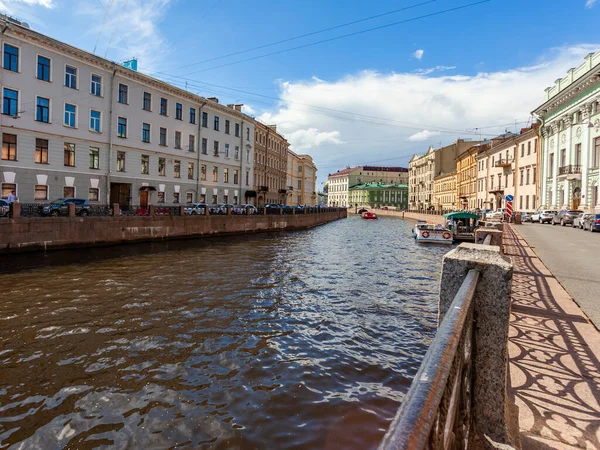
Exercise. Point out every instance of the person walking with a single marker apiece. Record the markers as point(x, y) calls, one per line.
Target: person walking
point(11, 197)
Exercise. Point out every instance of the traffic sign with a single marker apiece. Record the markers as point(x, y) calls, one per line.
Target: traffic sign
point(509, 198)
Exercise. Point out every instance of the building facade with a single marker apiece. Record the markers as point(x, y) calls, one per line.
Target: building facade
point(526, 170)
point(376, 194)
point(570, 156)
point(77, 125)
point(301, 180)
point(339, 183)
point(496, 172)
point(466, 178)
point(270, 165)
point(444, 191)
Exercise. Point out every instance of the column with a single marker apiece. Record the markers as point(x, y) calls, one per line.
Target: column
point(553, 149)
point(570, 157)
point(585, 148)
point(543, 168)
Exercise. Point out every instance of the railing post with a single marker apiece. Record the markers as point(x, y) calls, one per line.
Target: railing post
point(71, 207)
point(264, 211)
point(280, 211)
point(181, 210)
point(151, 210)
point(15, 210)
point(229, 210)
point(491, 315)
point(116, 210)
point(206, 211)
point(482, 233)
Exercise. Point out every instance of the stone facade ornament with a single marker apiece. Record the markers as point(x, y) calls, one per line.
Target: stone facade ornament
point(597, 125)
point(552, 143)
point(578, 132)
point(563, 139)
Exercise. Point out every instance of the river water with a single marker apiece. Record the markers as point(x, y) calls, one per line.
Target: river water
point(303, 340)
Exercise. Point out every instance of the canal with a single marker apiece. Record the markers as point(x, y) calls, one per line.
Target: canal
point(304, 340)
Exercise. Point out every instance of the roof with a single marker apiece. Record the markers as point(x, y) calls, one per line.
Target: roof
point(346, 171)
point(378, 185)
point(461, 215)
point(369, 169)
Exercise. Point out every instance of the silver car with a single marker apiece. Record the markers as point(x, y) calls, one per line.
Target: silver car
point(578, 221)
point(543, 216)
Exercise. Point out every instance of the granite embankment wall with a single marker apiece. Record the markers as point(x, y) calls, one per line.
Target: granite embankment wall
point(410, 215)
point(32, 234)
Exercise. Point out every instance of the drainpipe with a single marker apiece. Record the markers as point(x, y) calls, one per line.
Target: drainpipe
point(241, 158)
point(110, 134)
point(199, 151)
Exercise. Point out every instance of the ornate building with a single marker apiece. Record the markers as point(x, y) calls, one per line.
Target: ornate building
point(270, 165)
point(570, 156)
point(376, 194)
point(444, 191)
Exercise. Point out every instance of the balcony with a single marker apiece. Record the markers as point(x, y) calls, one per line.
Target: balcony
point(572, 172)
point(503, 162)
point(290, 188)
point(262, 188)
point(282, 191)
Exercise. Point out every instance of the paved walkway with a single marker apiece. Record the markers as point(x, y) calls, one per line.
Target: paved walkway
point(554, 358)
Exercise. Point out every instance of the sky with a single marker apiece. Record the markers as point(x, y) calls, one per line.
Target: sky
point(349, 82)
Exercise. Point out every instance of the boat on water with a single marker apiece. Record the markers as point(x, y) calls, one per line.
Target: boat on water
point(369, 215)
point(362, 210)
point(431, 233)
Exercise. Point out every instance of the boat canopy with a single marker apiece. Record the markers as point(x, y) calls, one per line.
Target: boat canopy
point(461, 215)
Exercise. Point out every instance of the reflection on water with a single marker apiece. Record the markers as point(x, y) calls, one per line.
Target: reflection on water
point(303, 340)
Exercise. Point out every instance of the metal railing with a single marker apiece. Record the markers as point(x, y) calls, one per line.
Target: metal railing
point(569, 170)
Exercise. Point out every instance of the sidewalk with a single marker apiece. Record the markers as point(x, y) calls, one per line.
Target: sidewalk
point(554, 358)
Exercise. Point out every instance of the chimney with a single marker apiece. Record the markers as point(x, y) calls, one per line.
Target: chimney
point(213, 99)
point(273, 127)
point(238, 107)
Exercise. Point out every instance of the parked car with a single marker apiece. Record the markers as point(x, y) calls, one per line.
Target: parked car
point(496, 215)
point(4, 208)
point(543, 216)
point(592, 223)
point(220, 208)
point(578, 221)
point(60, 207)
point(195, 208)
point(244, 209)
point(565, 217)
point(526, 217)
point(273, 208)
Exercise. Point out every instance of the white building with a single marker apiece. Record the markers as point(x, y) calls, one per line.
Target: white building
point(570, 162)
point(77, 125)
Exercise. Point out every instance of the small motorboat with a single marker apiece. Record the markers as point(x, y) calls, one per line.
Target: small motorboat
point(435, 234)
point(369, 215)
point(362, 210)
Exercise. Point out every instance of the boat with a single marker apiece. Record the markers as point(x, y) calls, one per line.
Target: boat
point(362, 210)
point(369, 215)
point(414, 230)
point(462, 224)
point(435, 234)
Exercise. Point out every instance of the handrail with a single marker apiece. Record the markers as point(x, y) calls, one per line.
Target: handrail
point(418, 423)
point(487, 240)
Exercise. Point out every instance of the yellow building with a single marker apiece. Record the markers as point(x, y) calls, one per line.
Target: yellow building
point(466, 179)
point(301, 180)
point(444, 191)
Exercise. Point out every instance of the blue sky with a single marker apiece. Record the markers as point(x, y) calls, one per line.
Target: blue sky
point(426, 82)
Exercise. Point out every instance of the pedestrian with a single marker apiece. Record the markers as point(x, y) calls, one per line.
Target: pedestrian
point(11, 197)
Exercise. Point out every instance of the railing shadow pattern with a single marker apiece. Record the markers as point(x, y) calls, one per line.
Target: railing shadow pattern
point(553, 358)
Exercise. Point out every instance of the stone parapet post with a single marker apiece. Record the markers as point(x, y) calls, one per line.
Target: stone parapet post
point(293, 211)
point(496, 236)
point(71, 207)
point(181, 210)
point(15, 210)
point(492, 420)
point(229, 210)
point(206, 210)
point(151, 210)
point(116, 210)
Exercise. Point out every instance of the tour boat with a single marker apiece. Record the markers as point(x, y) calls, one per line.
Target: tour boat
point(435, 234)
point(369, 215)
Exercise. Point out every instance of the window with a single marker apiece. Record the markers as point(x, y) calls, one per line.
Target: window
point(163, 136)
point(41, 151)
point(225, 198)
point(69, 154)
point(43, 68)
point(577, 155)
point(146, 132)
point(216, 148)
point(189, 197)
point(163, 106)
point(10, 104)
point(215, 199)
point(299, 184)
point(178, 139)
point(41, 192)
point(120, 161)
point(237, 152)
point(145, 165)
point(175, 197)
point(247, 178)
point(237, 130)
point(247, 134)
point(205, 119)
point(94, 158)
point(534, 175)
point(9, 147)
point(123, 93)
point(161, 167)
point(528, 175)
point(235, 176)
point(215, 174)
point(178, 111)
point(227, 124)
point(177, 169)
point(192, 143)
point(529, 148)
point(147, 102)
point(521, 182)
point(216, 123)
point(204, 146)
point(42, 110)
point(190, 171)
point(534, 151)
point(202, 198)
point(70, 115)
point(563, 157)
point(520, 202)
point(122, 127)
point(7, 188)
point(248, 155)
point(203, 172)
point(11, 58)
point(69, 192)
point(71, 77)
point(96, 85)
point(95, 121)
point(226, 150)
point(522, 150)
point(160, 197)
point(226, 175)
point(193, 115)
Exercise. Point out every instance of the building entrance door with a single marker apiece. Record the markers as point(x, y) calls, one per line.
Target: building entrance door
point(144, 198)
point(576, 198)
point(120, 193)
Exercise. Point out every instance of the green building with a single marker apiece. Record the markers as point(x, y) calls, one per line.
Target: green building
point(377, 194)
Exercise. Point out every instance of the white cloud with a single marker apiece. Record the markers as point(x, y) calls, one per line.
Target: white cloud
point(422, 135)
point(590, 3)
point(418, 54)
point(370, 117)
point(128, 28)
point(8, 6)
point(247, 109)
point(434, 69)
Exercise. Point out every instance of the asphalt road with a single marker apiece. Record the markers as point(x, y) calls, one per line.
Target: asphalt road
point(573, 256)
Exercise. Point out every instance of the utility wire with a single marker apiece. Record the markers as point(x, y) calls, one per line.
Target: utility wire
point(312, 33)
point(356, 33)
